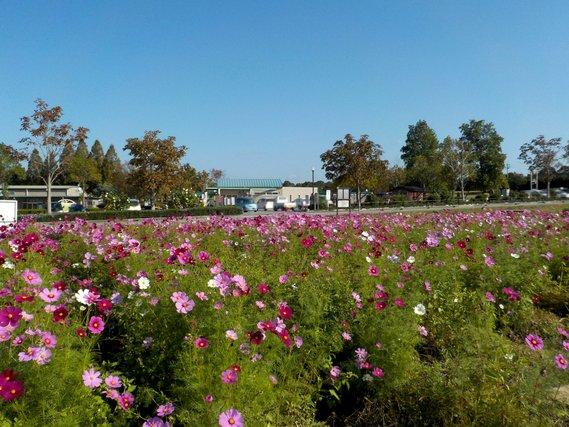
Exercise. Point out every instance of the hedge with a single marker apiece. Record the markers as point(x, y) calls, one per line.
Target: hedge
point(104, 215)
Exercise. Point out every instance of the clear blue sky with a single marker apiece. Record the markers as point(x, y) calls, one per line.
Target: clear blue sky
point(261, 89)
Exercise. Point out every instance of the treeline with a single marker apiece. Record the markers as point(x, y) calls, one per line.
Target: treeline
point(473, 160)
point(57, 153)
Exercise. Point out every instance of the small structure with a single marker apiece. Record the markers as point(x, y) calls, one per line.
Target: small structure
point(413, 193)
point(35, 196)
point(8, 211)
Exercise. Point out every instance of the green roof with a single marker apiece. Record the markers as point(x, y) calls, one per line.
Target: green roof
point(249, 183)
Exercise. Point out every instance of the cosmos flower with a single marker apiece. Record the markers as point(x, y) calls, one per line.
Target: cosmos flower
point(534, 342)
point(92, 378)
point(231, 418)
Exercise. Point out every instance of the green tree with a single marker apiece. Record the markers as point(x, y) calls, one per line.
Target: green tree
point(486, 144)
point(111, 164)
point(540, 155)
point(355, 163)
point(421, 141)
point(65, 159)
point(50, 137)
point(35, 168)
point(82, 149)
point(98, 155)
point(9, 166)
point(458, 161)
point(155, 165)
point(85, 172)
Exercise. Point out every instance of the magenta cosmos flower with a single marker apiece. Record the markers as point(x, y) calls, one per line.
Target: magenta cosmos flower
point(534, 342)
point(373, 271)
point(201, 342)
point(92, 378)
point(561, 362)
point(125, 400)
point(231, 418)
point(10, 316)
point(96, 325)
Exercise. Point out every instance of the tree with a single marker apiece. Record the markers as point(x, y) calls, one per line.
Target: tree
point(9, 166)
point(85, 172)
point(155, 165)
point(65, 159)
point(458, 160)
point(486, 144)
point(356, 163)
point(396, 176)
point(35, 168)
point(97, 155)
point(540, 155)
point(421, 141)
point(111, 164)
point(214, 176)
point(50, 138)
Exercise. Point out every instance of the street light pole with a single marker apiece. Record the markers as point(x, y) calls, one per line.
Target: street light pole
point(313, 198)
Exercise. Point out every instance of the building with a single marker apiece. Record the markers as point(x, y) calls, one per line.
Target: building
point(35, 196)
point(226, 190)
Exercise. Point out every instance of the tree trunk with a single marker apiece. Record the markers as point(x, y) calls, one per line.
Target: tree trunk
point(548, 184)
point(462, 190)
point(83, 195)
point(359, 199)
point(48, 186)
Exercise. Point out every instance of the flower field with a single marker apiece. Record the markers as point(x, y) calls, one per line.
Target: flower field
point(287, 320)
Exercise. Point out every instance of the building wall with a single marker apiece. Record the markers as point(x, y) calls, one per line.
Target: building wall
point(293, 193)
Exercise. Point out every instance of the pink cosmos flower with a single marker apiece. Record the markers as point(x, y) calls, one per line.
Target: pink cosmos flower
point(422, 331)
point(490, 297)
point(231, 418)
point(298, 341)
point(43, 356)
point(92, 378)
point(534, 342)
point(335, 373)
point(50, 295)
point(373, 271)
point(96, 325)
point(566, 345)
point(31, 277)
point(489, 261)
point(125, 400)
point(229, 376)
point(283, 279)
point(512, 294)
point(561, 361)
point(165, 410)
point(113, 381)
point(156, 422)
point(399, 302)
point(208, 398)
point(185, 307)
point(49, 340)
point(231, 334)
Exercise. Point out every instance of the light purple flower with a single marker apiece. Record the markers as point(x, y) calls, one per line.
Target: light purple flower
point(231, 418)
point(113, 381)
point(165, 410)
point(92, 378)
point(561, 361)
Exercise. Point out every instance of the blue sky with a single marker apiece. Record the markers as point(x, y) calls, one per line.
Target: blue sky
point(261, 89)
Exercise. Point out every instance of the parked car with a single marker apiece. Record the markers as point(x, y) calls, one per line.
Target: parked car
point(264, 204)
point(134, 205)
point(246, 203)
point(56, 207)
point(77, 207)
point(301, 204)
point(282, 203)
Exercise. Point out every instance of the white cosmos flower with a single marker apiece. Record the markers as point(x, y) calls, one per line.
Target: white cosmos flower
point(143, 283)
point(411, 259)
point(516, 256)
point(8, 265)
point(82, 296)
point(420, 309)
point(211, 283)
point(368, 259)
